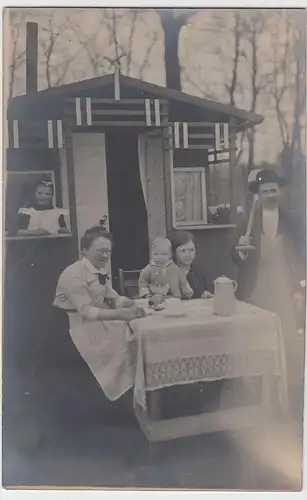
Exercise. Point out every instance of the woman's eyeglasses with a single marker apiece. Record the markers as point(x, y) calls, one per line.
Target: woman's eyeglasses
point(104, 251)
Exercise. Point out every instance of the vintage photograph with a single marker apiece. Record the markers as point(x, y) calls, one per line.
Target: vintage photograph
point(154, 248)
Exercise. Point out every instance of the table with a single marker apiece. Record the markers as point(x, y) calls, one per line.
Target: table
point(187, 343)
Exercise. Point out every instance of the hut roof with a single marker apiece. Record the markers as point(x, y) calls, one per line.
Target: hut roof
point(24, 105)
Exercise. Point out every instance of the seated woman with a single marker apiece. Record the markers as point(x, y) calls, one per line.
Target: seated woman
point(98, 316)
point(183, 249)
point(41, 217)
point(202, 396)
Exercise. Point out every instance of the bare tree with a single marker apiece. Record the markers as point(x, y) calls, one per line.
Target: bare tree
point(90, 45)
point(172, 21)
point(133, 27)
point(299, 107)
point(114, 47)
point(254, 24)
point(147, 55)
point(56, 62)
point(17, 19)
point(288, 83)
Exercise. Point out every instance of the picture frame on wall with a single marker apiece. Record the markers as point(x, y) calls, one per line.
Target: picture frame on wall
point(19, 194)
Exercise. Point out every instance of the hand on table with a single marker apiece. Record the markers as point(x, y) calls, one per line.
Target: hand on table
point(207, 295)
point(130, 313)
point(156, 300)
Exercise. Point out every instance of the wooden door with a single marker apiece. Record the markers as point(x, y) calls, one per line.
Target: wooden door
point(151, 160)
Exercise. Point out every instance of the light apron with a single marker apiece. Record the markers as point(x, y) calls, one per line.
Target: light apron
point(273, 291)
point(105, 348)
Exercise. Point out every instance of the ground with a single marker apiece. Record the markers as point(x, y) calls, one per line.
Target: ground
point(56, 434)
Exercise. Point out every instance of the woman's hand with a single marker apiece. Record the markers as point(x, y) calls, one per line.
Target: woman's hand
point(126, 302)
point(156, 300)
point(206, 295)
point(130, 313)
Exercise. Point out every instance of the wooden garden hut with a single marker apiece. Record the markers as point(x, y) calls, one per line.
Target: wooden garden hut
point(148, 157)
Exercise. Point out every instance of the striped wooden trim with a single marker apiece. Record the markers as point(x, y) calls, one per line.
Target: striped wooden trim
point(147, 112)
point(157, 112)
point(88, 110)
point(50, 134)
point(97, 100)
point(176, 135)
point(226, 135)
point(60, 133)
point(185, 135)
point(15, 134)
point(217, 136)
point(201, 136)
point(78, 111)
point(116, 83)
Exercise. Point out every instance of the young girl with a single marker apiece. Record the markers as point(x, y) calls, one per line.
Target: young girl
point(162, 277)
point(42, 217)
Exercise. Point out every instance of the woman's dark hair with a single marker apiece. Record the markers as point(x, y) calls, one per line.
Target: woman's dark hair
point(92, 234)
point(179, 238)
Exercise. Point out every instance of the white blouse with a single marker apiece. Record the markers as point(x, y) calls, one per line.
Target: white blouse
point(44, 219)
point(270, 222)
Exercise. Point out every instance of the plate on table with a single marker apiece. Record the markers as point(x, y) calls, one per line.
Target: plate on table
point(175, 315)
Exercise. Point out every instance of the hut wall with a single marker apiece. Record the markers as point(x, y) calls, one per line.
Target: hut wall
point(90, 179)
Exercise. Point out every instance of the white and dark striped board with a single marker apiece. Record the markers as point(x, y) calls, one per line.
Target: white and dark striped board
point(120, 112)
point(55, 134)
point(201, 135)
point(44, 134)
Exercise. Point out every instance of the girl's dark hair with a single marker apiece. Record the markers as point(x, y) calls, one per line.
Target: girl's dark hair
point(93, 234)
point(178, 238)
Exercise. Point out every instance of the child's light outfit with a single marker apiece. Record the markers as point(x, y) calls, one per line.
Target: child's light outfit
point(51, 219)
point(164, 280)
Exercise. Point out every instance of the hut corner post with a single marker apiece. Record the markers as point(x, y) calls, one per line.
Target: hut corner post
point(232, 170)
point(72, 192)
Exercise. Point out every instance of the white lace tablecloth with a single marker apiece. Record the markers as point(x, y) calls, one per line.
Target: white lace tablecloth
point(187, 343)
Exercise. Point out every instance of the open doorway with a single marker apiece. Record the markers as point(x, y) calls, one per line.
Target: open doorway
point(127, 209)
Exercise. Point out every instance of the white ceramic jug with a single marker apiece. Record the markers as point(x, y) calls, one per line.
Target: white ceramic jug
point(224, 302)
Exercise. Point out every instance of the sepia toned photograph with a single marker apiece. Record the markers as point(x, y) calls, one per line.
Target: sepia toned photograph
point(154, 289)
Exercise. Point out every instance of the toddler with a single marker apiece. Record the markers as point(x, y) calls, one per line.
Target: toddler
point(162, 277)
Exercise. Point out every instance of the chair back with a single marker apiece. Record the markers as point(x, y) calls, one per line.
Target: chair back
point(129, 283)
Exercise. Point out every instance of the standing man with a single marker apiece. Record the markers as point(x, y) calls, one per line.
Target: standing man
point(272, 275)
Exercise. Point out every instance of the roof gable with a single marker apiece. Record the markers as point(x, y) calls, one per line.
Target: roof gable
point(22, 104)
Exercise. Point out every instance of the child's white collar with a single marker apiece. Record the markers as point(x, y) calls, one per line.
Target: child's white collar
point(163, 265)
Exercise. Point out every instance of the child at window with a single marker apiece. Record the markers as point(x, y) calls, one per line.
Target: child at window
point(162, 277)
point(41, 217)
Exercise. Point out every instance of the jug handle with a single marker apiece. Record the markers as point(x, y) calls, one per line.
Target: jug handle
point(235, 285)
